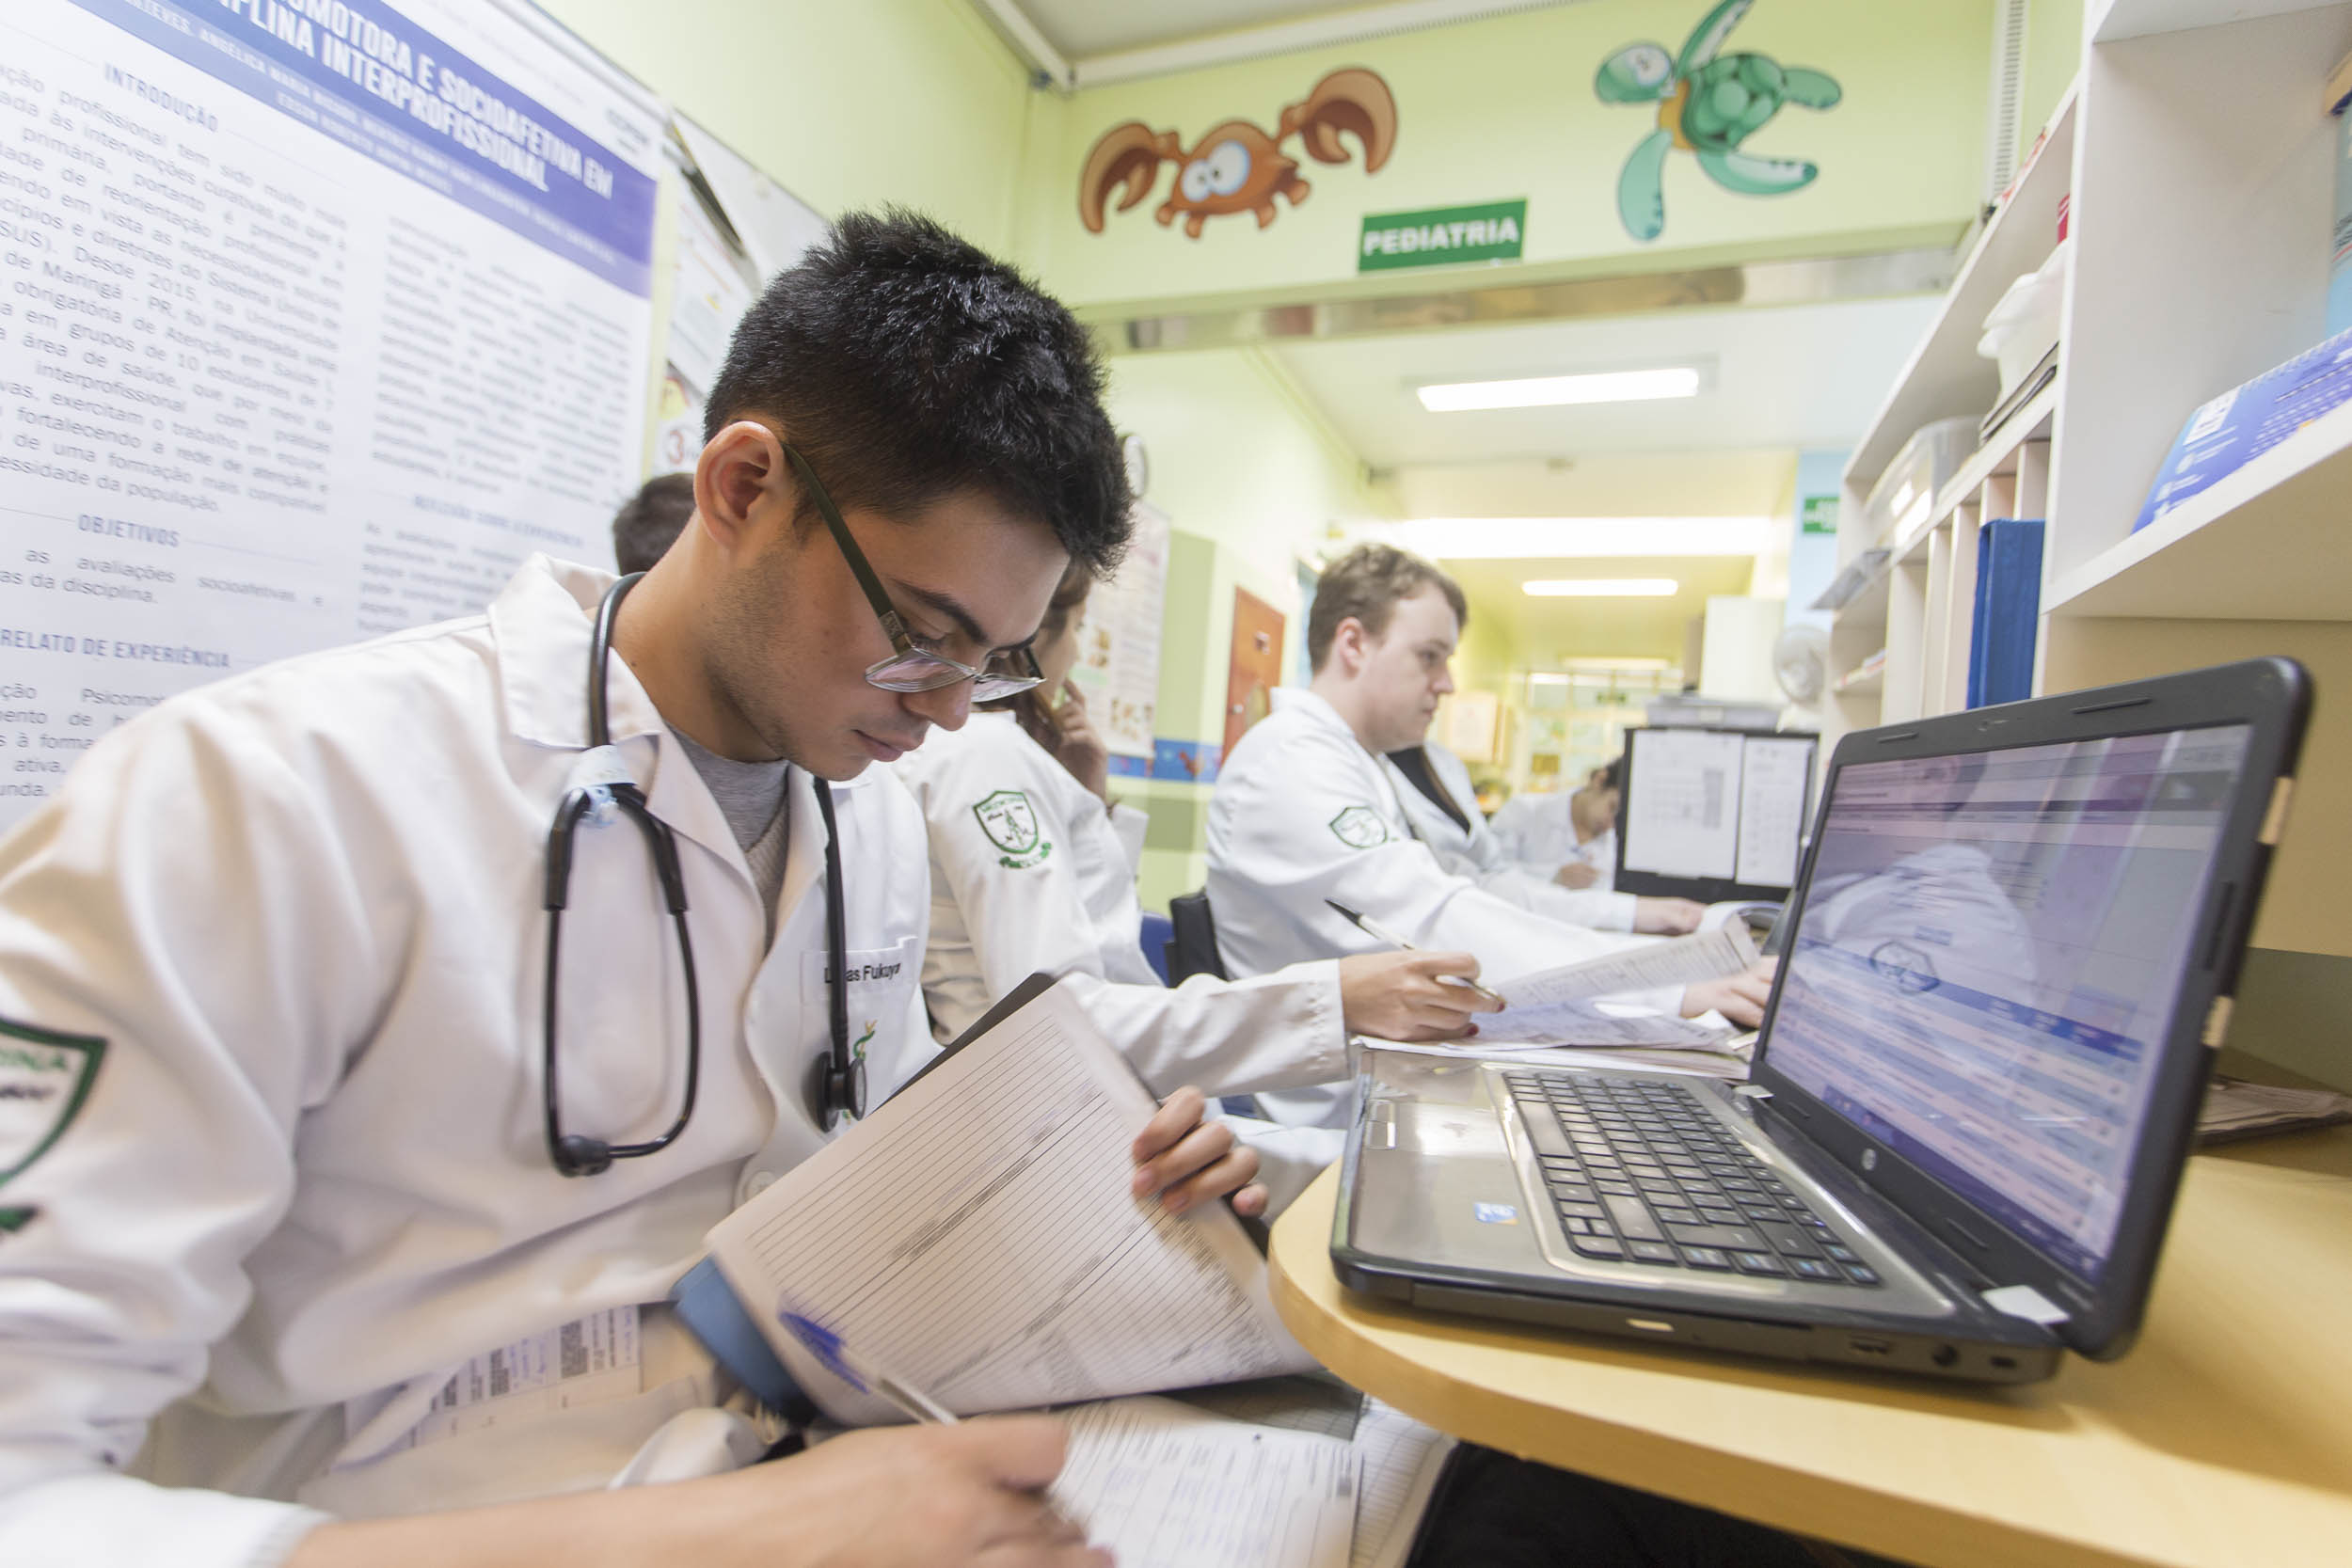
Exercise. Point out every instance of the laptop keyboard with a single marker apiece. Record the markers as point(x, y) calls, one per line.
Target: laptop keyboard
point(1656, 1178)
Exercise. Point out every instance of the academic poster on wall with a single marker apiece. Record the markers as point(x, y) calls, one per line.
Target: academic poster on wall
point(1118, 667)
point(316, 318)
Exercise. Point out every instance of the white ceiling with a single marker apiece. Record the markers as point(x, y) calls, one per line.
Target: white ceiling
point(1796, 376)
point(1082, 27)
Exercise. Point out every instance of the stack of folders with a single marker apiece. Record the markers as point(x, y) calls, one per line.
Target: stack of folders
point(2008, 606)
point(2235, 1109)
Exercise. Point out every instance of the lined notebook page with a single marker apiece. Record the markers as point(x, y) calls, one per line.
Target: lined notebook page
point(975, 1237)
point(1164, 1485)
point(1400, 1460)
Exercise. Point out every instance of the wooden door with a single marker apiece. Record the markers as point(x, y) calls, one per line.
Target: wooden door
point(1256, 667)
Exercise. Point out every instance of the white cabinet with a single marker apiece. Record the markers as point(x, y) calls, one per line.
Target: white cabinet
point(2198, 158)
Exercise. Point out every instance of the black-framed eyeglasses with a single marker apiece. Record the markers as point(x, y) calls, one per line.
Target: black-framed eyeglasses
point(910, 668)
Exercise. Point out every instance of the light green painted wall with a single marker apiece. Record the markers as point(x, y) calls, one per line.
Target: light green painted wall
point(2054, 52)
point(1504, 108)
point(846, 104)
point(1249, 475)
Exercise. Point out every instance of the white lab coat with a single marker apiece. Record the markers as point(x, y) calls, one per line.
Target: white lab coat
point(1478, 854)
point(1536, 832)
point(303, 908)
point(1029, 873)
point(1303, 813)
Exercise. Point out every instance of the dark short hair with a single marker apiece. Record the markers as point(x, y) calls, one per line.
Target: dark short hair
point(1612, 775)
point(907, 365)
point(1365, 585)
point(649, 522)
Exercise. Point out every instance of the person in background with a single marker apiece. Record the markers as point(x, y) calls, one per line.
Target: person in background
point(649, 522)
point(1306, 811)
point(1570, 839)
point(1443, 811)
point(1033, 869)
point(285, 936)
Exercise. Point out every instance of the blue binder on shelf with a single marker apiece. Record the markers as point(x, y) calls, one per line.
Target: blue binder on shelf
point(2009, 612)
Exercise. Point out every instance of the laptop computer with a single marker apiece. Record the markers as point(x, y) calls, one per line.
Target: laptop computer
point(2009, 956)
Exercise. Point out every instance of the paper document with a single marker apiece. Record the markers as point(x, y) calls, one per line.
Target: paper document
point(976, 1235)
point(1588, 1025)
point(1682, 802)
point(1775, 777)
point(1728, 1058)
point(1401, 1458)
point(1652, 966)
point(1164, 1485)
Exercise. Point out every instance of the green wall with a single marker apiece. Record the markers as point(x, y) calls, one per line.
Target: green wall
point(1503, 108)
point(1250, 476)
point(846, 104)
point(2054, 52)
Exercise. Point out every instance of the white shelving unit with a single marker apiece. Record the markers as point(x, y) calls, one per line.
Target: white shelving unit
point(1919, 604)
point(2200, 161)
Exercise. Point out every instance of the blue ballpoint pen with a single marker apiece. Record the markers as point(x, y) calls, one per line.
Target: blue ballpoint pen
point(860, 1373)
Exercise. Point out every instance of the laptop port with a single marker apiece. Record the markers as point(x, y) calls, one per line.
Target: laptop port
point(1867, 1344)
point(1946, 1355)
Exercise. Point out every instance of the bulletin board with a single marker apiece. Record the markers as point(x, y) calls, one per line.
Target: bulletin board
point(1119, 665)
point(317, 322)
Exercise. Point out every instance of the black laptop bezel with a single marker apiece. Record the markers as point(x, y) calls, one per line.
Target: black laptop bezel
point(1708, 890)
point(2270, 696)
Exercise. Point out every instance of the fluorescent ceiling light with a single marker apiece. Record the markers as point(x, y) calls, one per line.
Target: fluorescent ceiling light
point(1572, 538)
point(1546, 391)
point(1600, 588)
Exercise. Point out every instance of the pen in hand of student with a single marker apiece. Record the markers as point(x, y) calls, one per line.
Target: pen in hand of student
point(1379, 933)
point(861, 1375)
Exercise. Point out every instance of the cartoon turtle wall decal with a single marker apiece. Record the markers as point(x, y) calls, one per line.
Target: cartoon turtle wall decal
point(1707, 103)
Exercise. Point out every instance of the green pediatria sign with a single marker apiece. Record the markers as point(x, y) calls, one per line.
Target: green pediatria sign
point(45, 1079)
point(1442, 237)
point(1818, 515)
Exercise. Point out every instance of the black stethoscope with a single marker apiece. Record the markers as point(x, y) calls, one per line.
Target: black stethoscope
point(838, 1079)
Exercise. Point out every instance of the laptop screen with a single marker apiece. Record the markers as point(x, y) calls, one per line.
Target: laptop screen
point(1988, 961)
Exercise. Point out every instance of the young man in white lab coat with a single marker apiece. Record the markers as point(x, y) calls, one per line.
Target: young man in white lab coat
point(1442, 808)
point(276, 1162)
point(1306, 810)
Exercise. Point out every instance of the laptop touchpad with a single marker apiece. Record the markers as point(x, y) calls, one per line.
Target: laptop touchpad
point(1425, 1128)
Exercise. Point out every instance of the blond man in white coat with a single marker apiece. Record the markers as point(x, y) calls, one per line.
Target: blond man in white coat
point(1033, 869)
point(1307, 812)
point(284, 939)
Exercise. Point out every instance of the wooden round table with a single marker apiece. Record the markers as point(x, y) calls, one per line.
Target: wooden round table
point(2225, 1438)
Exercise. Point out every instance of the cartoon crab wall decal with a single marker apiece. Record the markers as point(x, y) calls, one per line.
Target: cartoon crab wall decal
point(1707, 103)
point(1237, 167)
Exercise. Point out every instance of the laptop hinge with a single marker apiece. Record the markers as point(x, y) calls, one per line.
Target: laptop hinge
point(2023, 1301)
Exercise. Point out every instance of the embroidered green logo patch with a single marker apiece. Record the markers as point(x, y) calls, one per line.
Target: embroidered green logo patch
point(1359, 827)
point(45, 1078)
point(1011, 823)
